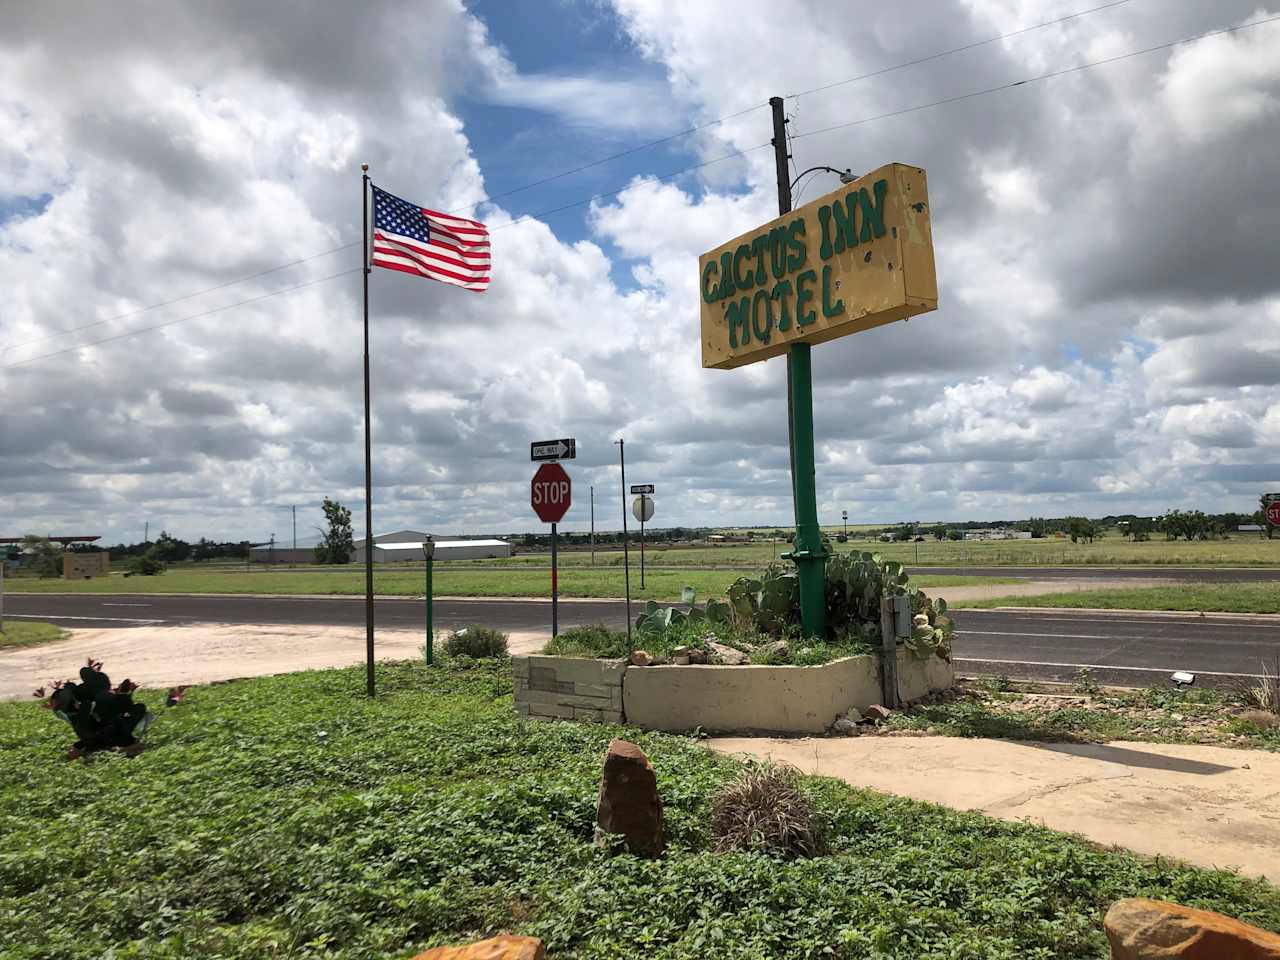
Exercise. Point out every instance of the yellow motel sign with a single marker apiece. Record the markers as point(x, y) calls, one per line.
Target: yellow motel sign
point(857, 258)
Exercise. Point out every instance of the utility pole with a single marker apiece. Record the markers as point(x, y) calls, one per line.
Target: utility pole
point(809, 554)
point(294, 559)
point(146, 532)
point(593, 526)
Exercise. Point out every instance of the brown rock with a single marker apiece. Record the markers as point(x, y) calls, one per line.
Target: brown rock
point(641, 658)
point(1141, 929)
point(629, 803)
point(876, 713)
point(502, 947)
point(728, 655)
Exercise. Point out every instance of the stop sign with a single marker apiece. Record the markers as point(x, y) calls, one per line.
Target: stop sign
point(1273, 513)
point(551, 493)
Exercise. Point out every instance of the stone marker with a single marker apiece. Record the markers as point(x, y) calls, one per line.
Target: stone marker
point(1141, 929)
point(629, 803)
point(502, 947)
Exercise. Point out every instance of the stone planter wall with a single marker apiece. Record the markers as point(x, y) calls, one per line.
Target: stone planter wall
point(720, 699)
point(570, 688)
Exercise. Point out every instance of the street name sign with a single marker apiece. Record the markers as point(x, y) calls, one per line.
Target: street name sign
point(566, 449)
point(551, 493)
point(642, 488)
point(857, 258)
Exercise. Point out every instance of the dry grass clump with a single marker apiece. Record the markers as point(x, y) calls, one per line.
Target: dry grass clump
point(1264, 693)
point(766, 810)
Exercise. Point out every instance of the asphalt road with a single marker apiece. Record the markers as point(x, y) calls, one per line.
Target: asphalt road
point(1118, 648)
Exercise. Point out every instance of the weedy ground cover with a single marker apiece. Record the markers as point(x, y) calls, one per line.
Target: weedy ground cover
point(290, 817)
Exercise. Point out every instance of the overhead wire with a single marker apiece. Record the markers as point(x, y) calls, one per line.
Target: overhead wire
point(177, 320)
point(603, 195)
point(1036, 79)
point(961, 49)
point(188, 296)
point(579, 169)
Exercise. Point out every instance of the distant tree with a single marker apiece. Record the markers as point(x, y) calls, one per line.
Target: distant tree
point(904, 533)
point(955, 534)
point(1139, 529)
point(336, 544)
point(1037, 528)
point(44, 556)
point(1081, 529)
point(169, 549)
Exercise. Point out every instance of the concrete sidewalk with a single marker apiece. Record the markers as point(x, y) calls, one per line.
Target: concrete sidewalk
point(1211, 806)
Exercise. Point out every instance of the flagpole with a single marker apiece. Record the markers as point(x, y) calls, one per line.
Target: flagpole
point(368, 446)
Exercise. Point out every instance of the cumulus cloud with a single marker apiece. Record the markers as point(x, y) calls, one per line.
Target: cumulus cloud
point(1107, 338)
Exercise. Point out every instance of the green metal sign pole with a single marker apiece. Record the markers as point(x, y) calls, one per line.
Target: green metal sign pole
point(430, 603)
point(810, 554)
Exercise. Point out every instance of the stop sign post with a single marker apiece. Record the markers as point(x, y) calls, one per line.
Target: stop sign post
point(551, 495)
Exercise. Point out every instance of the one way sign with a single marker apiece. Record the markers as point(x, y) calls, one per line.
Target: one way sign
point(566, 449)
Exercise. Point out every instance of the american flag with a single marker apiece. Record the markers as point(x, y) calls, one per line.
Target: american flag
point(428, 244)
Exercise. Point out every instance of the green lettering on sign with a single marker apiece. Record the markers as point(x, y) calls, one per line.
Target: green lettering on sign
point(782, 290)
point(763, 334)
point(873, 215)
point(758, 247)
point(742, 253)
point(739, 317)
point(778, 252)
point(824, 219)
point(829, 309)
point(796, 258)
point(803, 296)
point(846, 235)
point(726, 276)
point(710, 294)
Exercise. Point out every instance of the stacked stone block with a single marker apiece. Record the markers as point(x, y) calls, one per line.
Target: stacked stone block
point(571, 689)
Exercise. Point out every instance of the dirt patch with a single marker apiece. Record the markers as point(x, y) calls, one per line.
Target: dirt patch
point(204, 653)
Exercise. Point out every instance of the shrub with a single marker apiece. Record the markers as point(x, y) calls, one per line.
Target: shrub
point(595, 640)
point(766, 810)
point(147, 565)
point(477, 642)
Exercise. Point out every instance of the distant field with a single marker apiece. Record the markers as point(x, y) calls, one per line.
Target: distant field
point(1209, 597)
point(447, 581)
point(27, 633)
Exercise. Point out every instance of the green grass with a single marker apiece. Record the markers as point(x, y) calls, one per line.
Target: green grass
point(463, 581)
point(290, 817)
point(1206, 597)
point(28, 633)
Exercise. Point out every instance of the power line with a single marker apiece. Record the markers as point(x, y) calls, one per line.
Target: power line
point(616, 156)
point(579, 169)
point(167, 303)
point(961, 49)
point(170, 323)
point(1037, 79)
point(196, 316)
point(613, 193)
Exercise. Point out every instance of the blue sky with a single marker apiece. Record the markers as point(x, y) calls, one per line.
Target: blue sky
point(519, 144)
